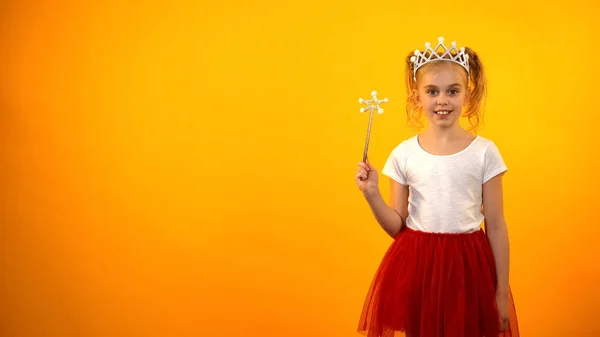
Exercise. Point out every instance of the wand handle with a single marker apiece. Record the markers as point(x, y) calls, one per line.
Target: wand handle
point(368, 137)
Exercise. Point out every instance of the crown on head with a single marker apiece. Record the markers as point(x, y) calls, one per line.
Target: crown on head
point(451, 54)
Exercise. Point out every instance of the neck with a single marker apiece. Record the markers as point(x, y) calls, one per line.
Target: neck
point(453, 132)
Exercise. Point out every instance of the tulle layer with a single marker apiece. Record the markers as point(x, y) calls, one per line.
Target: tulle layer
point(435, 285)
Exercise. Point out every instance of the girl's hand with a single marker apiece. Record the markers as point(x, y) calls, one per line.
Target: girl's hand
point(502, 301)
point(367, 178)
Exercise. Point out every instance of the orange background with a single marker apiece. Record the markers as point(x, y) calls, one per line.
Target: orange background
point(186, 168)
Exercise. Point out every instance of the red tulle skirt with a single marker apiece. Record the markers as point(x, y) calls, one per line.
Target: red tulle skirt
point(435, 285)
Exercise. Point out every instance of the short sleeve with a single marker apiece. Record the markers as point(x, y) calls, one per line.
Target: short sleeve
point(493, 163)
point(394, 166)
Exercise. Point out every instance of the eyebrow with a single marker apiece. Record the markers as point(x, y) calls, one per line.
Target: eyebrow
point(450, 86)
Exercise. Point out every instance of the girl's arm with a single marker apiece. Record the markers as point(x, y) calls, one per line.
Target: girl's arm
point(391, 219)
point(497, 232)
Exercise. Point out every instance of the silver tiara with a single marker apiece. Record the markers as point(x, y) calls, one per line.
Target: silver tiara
point(431, 55)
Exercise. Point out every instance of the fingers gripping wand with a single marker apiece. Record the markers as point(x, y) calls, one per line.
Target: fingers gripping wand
point(372, 104)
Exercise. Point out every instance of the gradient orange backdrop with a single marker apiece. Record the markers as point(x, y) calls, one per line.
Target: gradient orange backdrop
point(186, 168)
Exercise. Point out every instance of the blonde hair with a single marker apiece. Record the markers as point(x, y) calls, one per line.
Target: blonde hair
point(476, 98)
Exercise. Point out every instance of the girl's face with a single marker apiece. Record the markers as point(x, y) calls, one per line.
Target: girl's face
point(442, 92)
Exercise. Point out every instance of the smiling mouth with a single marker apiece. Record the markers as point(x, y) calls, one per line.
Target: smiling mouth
point(443, 112)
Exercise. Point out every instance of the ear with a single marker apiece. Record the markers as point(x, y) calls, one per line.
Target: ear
point(467, 96)
point(415, 94)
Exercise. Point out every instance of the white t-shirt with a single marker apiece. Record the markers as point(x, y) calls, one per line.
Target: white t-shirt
point(445, 191)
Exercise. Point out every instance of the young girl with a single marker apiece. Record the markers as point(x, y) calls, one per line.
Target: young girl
point(442, 275)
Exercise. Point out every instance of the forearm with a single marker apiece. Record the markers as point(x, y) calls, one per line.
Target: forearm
point(498, 236)
point(387, 217)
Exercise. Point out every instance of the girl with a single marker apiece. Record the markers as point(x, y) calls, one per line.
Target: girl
point(442, 275)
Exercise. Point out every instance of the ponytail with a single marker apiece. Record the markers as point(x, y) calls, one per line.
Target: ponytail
point(413, 112)
point(477, 92)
